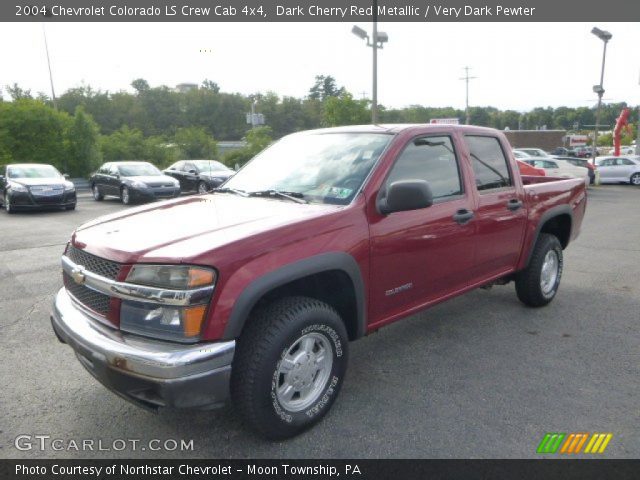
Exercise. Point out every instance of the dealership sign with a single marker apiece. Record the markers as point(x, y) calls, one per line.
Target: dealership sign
point(445, 121)
point(578, 140)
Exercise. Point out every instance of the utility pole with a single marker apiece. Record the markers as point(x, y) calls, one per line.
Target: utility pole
point(374, 99)
point(466, 78)
point(46, 48)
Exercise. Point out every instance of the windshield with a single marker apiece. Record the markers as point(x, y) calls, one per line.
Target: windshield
point(33, 171)
point(208, 166)
point(138, 170)
point(322, 167)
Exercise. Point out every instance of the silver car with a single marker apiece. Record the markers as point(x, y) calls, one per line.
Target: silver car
point(619, 169)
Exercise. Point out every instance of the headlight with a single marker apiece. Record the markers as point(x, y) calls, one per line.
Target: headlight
point(178, 277)
point(138, 184)
point(168, 323)
point(182, 324)
point(69, 187)
point(16, 187)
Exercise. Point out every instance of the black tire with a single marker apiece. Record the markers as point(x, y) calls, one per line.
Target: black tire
point(97, 195)
point(125, 196)
point(529, 282)
point(202, 188)
point(635, 179)
point(7, 205)
point(261, 352)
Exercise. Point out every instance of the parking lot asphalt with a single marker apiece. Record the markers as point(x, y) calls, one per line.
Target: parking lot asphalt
point(480, 376)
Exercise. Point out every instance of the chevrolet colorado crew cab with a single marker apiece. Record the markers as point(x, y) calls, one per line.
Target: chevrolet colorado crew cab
point(253, 292)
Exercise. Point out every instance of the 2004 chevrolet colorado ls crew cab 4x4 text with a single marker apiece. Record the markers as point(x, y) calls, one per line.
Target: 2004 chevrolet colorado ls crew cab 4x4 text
point(253, 292)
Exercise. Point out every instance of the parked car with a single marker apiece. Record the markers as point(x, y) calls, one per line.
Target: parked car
point(520, 155)
point(320, 239)
point(560, 168)
point(562, 151)
point(532, 152)
point(582, 152)
point(526, 169)
point(619, 169)
point(581, 162)
point(25, 186)
point(200, 176)
point(132, 182)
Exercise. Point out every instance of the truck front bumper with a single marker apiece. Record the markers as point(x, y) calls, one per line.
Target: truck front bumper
point(149, 373)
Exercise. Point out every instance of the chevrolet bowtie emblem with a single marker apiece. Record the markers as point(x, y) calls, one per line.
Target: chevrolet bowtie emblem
point(77, 273)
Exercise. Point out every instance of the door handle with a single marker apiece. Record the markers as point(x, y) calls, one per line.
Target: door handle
point(462, 216)
point(514, 204)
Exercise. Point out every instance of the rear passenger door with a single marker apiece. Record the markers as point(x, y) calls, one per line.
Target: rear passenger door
point(501, 214)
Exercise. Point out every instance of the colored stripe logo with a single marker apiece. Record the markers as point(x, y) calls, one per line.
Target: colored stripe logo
point(573, 443)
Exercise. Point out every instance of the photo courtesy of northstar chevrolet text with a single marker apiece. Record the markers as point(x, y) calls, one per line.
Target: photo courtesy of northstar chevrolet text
point(239, 236)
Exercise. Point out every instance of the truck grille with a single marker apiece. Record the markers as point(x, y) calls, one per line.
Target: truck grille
point(93, 300)
point(97, 265)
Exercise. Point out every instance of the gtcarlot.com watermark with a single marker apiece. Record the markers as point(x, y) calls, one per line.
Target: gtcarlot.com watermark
point(44, 443)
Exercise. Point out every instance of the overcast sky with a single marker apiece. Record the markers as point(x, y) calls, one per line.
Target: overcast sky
point(519, 65)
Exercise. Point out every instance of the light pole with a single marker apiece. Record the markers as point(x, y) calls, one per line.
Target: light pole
point(599, 89)
point(466, 78)
point(377, 40)
point(46, 49)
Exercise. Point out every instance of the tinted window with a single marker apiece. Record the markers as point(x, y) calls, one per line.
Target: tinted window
point(176, 166)
point(431, 159)
point(489, 163)
point(624, 161)
point(188, 167)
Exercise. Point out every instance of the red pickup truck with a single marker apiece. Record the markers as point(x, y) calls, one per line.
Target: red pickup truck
point(253, 292)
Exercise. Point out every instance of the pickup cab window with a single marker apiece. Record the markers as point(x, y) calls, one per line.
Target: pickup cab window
point(432, 159)
point(489, 163)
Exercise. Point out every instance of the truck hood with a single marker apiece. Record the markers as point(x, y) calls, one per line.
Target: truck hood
point(182, 229)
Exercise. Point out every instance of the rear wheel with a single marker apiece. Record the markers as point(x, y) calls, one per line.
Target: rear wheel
point(202, 187)
point(537, 284)
point(125, 196)
point(289, 366)
point(96, 193)
point(635, 179)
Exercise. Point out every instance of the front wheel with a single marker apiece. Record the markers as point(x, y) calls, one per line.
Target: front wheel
point(635, 179)
point(97, 195)
point(125, 196)
point(537, 284)
point(7, 204)
point(289, 366)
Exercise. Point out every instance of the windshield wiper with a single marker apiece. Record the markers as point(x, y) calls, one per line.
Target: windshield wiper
point(293, 196)
point(242, 193)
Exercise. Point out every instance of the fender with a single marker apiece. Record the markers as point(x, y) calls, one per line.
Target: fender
point(546, 216)
point(317, 264)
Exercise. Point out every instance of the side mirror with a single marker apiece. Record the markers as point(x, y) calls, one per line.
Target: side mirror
point(193, 172)
point(66, 176)
point(405, 195)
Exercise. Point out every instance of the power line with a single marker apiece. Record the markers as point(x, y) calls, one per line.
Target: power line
point(466, 78)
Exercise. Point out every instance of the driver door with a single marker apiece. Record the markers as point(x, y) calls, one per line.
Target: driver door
point(418, 256)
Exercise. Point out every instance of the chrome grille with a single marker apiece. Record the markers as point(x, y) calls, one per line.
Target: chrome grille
point(97, 265)
point(93, 300)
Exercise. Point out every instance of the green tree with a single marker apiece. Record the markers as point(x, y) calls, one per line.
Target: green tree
point(344, 110)
point(257, 139)
point(195, 142)
point(140, 85)
point(31, 131)
point(325, 87)
point(82, 140)
point(17, 93)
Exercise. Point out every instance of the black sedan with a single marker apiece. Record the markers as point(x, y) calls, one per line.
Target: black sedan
point(27, 186)
point(132, 182)
point(200, 176)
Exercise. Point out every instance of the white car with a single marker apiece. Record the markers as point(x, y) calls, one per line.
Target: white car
point(559, 168)
point(619, 169)
point(532, 152)
point(520, 155)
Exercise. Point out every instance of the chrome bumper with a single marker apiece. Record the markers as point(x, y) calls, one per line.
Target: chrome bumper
point(147, 372)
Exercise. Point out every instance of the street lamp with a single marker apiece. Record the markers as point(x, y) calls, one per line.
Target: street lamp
point(599, 89)
point(377, 40)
